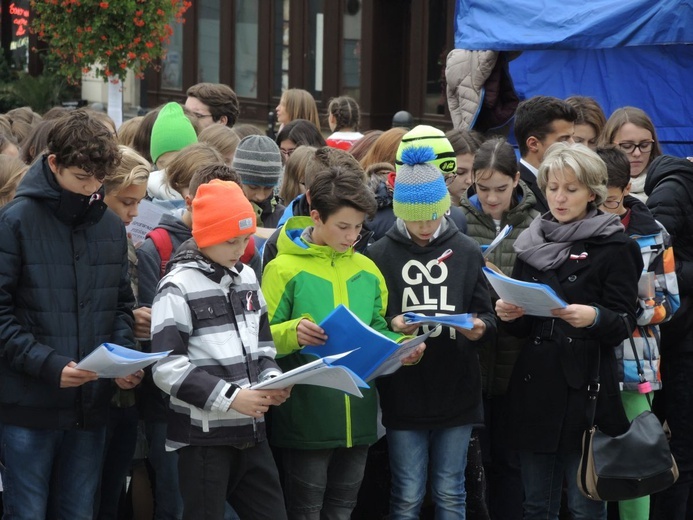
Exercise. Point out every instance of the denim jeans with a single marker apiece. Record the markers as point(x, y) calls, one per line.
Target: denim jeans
point(542, 479)
point(412, 453)
point(169, 503)
point(323, 484)
point(51, 473)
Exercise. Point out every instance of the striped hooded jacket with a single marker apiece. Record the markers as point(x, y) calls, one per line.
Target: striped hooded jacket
point(215, 322)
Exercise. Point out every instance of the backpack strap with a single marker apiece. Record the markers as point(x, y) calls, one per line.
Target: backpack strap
point(249, 251)
point(164, 246)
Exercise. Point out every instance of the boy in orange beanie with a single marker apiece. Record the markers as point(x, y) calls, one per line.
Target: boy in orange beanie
point(210, 311)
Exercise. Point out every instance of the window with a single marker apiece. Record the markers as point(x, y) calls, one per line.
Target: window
point(281, 47)
point(208, 41)
point(437, 51)
point(351, 49)
point(246, 48)
point(172, 66)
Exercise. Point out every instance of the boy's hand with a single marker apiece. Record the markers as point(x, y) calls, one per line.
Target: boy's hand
point(143, 322)
point(255, 403)
point(310, 334)
point(415, 356)
point(72, 377)
point(475, 332)
point(399, 325)
point(131, 381)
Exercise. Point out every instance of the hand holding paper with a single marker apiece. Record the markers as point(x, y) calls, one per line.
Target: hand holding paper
point(535, 299)
point(113, 361)
point(462, 321)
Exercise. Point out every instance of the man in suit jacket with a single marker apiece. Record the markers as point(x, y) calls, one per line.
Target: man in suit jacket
point(541, 121)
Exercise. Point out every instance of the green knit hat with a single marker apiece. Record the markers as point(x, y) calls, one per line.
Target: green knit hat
point(420, 192)
point(172, 131)
point(423, 135)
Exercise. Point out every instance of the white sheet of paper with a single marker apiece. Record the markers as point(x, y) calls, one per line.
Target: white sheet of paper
point(493, 245)
point(535, 298)
point(319, 373)
point(108, 364)
point(394, 361)
point(148, 217)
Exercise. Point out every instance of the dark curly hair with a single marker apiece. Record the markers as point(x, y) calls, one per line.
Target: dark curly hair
point(79, 139)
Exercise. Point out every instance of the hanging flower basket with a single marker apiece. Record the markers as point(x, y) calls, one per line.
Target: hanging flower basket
point(110, 36)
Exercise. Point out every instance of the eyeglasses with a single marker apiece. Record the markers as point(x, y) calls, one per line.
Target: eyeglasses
point(286, 152)
point(612, 204)
point(643, 146)
point(202, 116)
point(449, 179)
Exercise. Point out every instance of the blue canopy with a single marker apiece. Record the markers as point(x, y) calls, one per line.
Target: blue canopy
point(619, 52)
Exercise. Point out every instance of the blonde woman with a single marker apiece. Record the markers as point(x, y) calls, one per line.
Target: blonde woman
point(297, 103)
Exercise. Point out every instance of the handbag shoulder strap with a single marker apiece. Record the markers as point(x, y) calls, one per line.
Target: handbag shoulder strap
point(638, 364)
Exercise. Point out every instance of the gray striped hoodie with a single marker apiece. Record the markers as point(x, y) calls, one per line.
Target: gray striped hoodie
point(215, 321)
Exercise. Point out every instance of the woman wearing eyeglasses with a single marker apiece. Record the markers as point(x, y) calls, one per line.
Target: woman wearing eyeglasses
point(584, 255)
point(465, 145)
point(632, 130)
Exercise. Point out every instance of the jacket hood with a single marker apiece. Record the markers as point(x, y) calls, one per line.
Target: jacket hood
point(173, 224)
point(666, 166)
point(642, 222)
point(524, 202)
point(398, 234)
point(290, 241)
point(72, 208)
point(189, 256)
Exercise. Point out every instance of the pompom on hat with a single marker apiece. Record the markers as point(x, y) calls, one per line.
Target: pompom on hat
point(258, 161)
point(172, 131)
point(221, 212)
point(423, 135)
point(420, 192)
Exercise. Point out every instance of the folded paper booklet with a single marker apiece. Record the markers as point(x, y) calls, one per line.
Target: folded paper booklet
point(110, 360)
point(371, 354)
point(487, 250)
point(321, 372)
point(463, 321)
point(537, 299)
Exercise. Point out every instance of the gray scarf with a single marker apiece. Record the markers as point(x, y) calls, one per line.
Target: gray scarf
point(546, 244)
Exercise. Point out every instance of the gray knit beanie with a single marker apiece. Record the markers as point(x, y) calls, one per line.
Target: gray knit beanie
point(258, 161)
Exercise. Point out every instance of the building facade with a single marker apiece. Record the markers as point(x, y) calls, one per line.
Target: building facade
point(387, 54)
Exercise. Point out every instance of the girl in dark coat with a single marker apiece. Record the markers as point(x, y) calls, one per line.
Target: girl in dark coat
point(586, 258)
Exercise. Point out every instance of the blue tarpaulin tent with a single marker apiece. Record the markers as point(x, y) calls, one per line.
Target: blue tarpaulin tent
point(635, 52)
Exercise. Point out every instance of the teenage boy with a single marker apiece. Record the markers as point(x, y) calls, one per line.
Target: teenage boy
point(429, 409)
point(323, 158)
point(324, 434)
point(64, 290)
point(213, 103)
point(152, 258)
point(541, 121)
point(259, 163)
point(210, 311)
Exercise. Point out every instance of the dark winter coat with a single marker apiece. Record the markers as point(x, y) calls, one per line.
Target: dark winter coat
point(548, 387)
point(64, 290)
point(669, 185)
point(530, 180)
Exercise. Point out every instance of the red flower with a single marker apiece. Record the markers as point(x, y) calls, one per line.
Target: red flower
point(103, 5)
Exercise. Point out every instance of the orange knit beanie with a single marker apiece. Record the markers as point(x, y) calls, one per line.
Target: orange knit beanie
point(221, 212)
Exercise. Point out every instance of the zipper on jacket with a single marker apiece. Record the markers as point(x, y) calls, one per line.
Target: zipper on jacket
point(347, 407)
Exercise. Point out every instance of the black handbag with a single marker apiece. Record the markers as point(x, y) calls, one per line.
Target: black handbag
point(635, 464)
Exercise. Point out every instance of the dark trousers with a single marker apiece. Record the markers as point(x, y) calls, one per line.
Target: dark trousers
point(249, 478)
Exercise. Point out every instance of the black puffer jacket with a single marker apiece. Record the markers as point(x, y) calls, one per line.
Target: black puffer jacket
point(669, 186)
point(64, 290)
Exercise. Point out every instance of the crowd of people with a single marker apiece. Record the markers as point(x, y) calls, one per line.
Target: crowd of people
point(260, 239)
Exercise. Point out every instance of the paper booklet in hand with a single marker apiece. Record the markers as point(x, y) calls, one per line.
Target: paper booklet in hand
point(372, 353)
point(109, 360)
point(321, 372)
point(462, 321)
point(537, 299)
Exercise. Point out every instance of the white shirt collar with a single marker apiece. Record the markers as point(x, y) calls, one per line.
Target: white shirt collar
point(531, 168)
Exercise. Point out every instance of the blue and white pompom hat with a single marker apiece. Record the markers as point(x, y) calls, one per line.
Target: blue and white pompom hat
point(420, 192)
